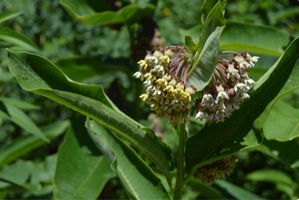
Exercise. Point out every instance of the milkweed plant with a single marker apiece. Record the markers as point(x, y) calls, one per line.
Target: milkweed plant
point(194, 82)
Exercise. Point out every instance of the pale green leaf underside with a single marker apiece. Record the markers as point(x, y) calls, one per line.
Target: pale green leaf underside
point(136, 176)
point(203, 68)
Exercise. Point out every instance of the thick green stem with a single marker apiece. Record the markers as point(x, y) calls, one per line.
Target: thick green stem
point(180, 166)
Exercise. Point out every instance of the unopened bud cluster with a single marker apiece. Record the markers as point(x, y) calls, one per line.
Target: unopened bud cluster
point(230, 85)
point(165, 73)
point(217, 169)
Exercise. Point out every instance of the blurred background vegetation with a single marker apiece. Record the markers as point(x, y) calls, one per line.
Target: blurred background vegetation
point(59, 36)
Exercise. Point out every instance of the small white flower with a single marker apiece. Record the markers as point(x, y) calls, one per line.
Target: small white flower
point(207, 100)
point(138, 75)
point(243, 66)
point(151, 60)
point(221, 97)
point(201, 115)
point(232, 74)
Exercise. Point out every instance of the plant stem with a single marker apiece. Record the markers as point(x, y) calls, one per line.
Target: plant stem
point(180, 166)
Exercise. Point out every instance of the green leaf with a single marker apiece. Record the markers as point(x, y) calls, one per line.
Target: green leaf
point(206, 191)
point(190, 44)
point(82, 170)
point(17, 39)
point(295, 164)
point(17, 116)
point(136, 176)
point(271, 175)
point(283, 14)
point(24, 144)
point(258, 39)
point(87, 14)
point(280, 150)
point(19, 103)
point(214, 19)
point(8, 15)
point(204, 64)
point(282, 122)
point(235, 191)
point(216, 141)
point(79, 68)
point(46, 79)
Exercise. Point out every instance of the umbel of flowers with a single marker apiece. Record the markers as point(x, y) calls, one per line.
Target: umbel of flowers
point(165, 80)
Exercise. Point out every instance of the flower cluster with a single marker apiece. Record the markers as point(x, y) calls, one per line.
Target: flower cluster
point(165, 74)
point(217, 169)
point(230, 85)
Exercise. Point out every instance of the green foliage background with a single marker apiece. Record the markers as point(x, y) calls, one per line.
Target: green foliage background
point(58, 36)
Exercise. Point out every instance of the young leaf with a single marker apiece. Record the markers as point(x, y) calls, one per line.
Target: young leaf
point(204, 64)
point(46, 79)
point(220, 140)
point(88, 15)
point(82, 170)
point(136, 176)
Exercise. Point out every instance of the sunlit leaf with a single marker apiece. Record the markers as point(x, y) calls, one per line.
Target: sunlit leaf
point(8, 15)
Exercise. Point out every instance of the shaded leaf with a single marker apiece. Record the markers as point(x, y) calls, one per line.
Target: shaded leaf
point(17, 39)
point(24, 144)
point(46, 79)
point(19, 103)
point(136, 176)
point(235, 191)
point(258, 39)
point(82, 170)
point(216, 141)
point(87, 14)
point(206, 191)
point(271, 175)
point(8, 15)
point(17, 116)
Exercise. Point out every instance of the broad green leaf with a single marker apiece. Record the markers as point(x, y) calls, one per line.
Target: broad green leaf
point(19, 103)
point(46, 79)
point(283, 14)
point(236, 191)
point(271, 175)
point(24, 144)
point(136, 176)
point(79, 68)
point(17, 116)
point(82, 170)
point(282, 122)
point(8, 15)
point(204, 64)
point(220, 140)
point(17, 39)
point(258, 39)
point(90, 15)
